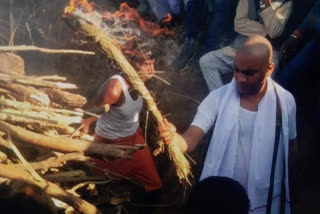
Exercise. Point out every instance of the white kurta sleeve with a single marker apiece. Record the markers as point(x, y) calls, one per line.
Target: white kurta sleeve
point(245, 26)
point(275, 19)
point(207, 112)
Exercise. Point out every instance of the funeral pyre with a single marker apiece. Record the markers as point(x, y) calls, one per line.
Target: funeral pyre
point(122, 36)
point(40, 117)
point(40, 122)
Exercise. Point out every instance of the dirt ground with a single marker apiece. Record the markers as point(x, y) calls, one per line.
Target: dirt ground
point(178, 102)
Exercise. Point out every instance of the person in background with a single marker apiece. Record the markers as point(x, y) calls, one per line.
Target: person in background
point(164, 10)
point(254, 133)
point(22, 197)
point(253, 17)
point(213, 18)
point(217, 194)
point(301, 76)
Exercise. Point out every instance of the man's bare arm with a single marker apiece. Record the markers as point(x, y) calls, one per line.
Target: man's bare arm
point(187, 141)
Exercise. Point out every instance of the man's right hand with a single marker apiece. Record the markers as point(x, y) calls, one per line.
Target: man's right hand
point(167, 132)
point(289, 48)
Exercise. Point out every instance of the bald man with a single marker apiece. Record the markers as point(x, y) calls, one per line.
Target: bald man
point(244, 114)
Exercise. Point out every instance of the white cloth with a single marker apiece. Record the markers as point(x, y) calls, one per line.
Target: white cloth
point(242, 165)
point(222, 108)
point(213, 65)
point(120, 121)
point(274, 19)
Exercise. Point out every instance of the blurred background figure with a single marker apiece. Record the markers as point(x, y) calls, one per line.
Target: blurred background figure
point(218, 195)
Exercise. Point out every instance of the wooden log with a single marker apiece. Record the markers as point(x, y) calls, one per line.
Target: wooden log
point(66, 174)
point(44, 50)
point(25, 163)
point(27, 106)
point(65, 98)
point(52, 189)
point(62, 128)
point(4, 143)
point(35, 82)
point(47, 117)
point(52, 77)
point(182, 165)
point(54, 162)
point(11, 64)
point(28, 92)
point(63, 144)
point(76, 179)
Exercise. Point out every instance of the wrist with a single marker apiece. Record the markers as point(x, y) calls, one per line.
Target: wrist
point(297, 34)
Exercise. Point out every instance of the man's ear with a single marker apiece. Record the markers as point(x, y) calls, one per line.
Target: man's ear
point(270, 69)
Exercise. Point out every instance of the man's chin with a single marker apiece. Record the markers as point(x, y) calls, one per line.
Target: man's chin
point(242, 90)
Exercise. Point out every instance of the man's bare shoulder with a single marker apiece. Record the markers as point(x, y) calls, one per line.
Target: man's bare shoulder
point(113, 91)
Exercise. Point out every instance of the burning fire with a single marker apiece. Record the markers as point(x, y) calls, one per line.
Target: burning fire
point(167, 19)
point(127, 28)
point(73, 4)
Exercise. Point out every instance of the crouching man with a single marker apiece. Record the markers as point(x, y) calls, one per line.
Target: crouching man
point(119, 124)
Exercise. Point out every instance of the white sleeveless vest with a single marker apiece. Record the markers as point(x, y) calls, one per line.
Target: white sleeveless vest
point(120, 121)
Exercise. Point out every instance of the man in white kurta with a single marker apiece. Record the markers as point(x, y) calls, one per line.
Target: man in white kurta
point(243, 114)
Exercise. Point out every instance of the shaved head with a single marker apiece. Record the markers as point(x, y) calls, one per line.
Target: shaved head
point(259, 47)
point(253, 65)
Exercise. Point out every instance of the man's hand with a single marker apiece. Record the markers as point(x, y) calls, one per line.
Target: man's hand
point(267, 3)
point(86, 124)
point(289, 48)
point(167, 132)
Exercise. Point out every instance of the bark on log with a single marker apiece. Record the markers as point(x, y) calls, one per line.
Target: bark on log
point(66, 174)
point(28, 92)
point(65, 98)
point(45, 117)
point(63, 144)
point(62, 128)
point(11, 64)
point(182, 165)
point(27, 106)
point(79, 179)
point(54, 162)
point(50, 188)
point(35, 82)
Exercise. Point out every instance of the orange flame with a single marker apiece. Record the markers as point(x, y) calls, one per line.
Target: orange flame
point(167, 19)
point(73, 4)
point(141, 59)
point(131, 14)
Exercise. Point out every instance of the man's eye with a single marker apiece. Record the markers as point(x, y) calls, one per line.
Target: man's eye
point(250, 74)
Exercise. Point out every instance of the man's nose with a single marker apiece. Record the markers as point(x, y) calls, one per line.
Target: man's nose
point(240, 77)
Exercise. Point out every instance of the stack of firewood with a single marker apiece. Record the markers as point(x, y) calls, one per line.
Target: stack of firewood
point(40, 113)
